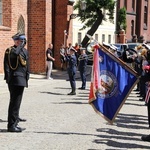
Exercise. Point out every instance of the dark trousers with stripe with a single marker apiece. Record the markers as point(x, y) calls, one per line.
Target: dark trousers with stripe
point(72, 81)
point(83, 78)
point(16, 93)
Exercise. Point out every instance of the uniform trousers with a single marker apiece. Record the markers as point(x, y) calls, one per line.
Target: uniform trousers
point(72, 81)
point(16, 93)
point(143, 80)
point(83, 78)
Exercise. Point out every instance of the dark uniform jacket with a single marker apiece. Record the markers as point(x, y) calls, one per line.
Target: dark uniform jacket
point(83, 62)
point(72, 64)
point(16, 66)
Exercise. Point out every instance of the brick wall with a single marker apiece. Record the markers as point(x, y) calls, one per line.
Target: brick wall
point(141, 30)
point(137, 15)
point(12, 9)
point(40, 28)
point(131, 15)
point(61, 17)
point(39, 33)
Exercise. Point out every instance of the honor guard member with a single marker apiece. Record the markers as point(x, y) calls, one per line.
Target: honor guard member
point(16, 74)
point(72, 64)
point(83, 59)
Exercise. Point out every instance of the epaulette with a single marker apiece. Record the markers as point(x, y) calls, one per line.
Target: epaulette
point(8, 50)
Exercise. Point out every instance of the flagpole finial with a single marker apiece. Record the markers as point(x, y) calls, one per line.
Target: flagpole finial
point(96, 46)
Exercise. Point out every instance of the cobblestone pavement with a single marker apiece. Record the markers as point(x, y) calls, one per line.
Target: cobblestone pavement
point(57, 121)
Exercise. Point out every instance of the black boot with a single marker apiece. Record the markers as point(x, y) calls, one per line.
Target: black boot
point(72, 93)
point(14, 127)
point(146, 138)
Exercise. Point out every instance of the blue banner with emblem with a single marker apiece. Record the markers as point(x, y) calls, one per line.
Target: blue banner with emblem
point(111, 83)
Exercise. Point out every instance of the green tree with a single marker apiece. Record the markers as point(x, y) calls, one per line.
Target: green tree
point(121, 21)
point(93, 16)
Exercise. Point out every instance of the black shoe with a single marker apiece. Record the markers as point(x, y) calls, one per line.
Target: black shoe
point(14, 129)
point(136, 90)
point(72, 93)
point(142, 99)
point(146, 104)
point(22, 120)
point(146, 138)
point(20, 128)
point(81, 88)
point(140, 95)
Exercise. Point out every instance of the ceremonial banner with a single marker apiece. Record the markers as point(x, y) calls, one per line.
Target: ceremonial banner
point(111, 83)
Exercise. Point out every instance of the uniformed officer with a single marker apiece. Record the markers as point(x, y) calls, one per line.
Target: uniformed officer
point(16, 74)
point(83, 59)
point(72, 64)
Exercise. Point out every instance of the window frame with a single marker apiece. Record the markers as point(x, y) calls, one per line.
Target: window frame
point(96, 36)
point(1, 13)
point(145, 16)
point(103, 38)
point(109, 38)
point(79, 37)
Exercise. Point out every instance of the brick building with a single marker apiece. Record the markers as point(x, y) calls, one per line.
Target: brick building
point(43, 22)
point(138, 22)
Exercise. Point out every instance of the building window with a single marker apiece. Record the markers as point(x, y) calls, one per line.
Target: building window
point(145, 16)
point(133, 5)
point(125, 4)
point(21, 25)
point(96, 37)
point(103, 38)
point(109, 38)
point(132, 27)
point(79, 37)
point(0, 12)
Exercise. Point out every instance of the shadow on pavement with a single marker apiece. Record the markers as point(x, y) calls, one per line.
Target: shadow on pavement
point(123, 121)
point(2, 120)
point(3, 130)
point(116, 135)
point(61, 88)
point(71, 103)
point(131, 121)
point(116, 144)
point(52, 93)
point(142, 104)
point(105, 139)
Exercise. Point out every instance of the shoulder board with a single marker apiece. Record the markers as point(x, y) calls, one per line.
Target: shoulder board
point(8, 50)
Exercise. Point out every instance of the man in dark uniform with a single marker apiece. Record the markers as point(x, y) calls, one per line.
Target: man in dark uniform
point(16, 74)
point(83, 59)
point(72, 64)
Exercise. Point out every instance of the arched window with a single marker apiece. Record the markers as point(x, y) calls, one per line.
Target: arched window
point(132, 27)
point(1, 12)
point(133, 5)
point(125, 4)
point(21, 25)
point(145, 15)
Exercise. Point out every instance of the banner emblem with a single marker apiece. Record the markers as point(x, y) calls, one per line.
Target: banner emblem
point(108, 84)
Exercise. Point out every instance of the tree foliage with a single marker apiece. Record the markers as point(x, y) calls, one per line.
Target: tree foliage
point(94, 10)
point(121, 19)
